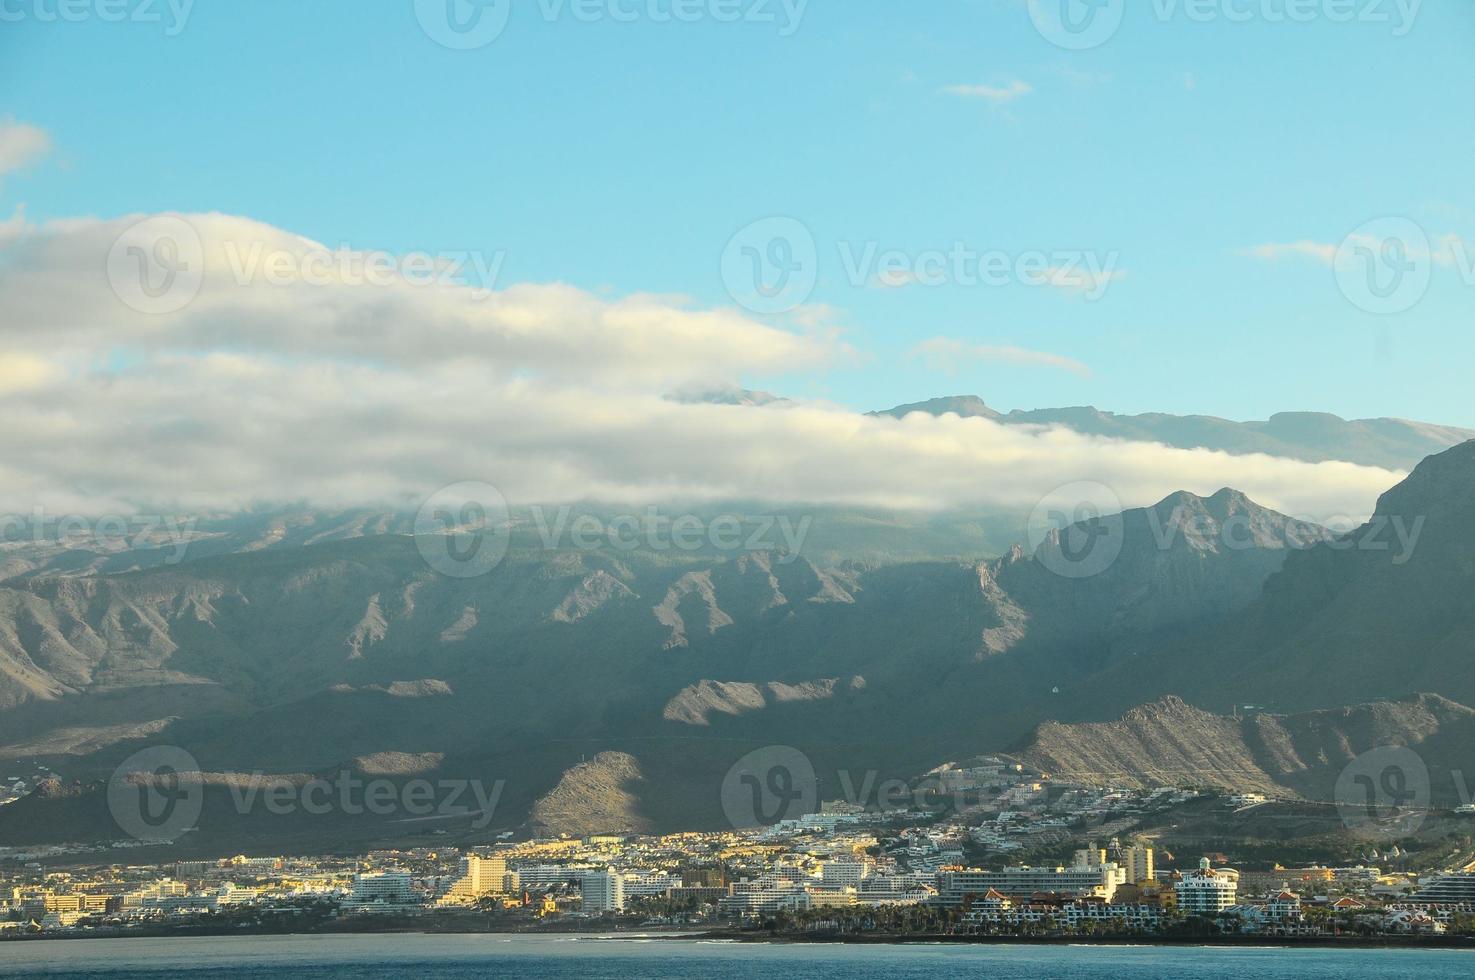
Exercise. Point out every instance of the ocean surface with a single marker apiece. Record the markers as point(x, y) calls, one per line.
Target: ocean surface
point(402, 956)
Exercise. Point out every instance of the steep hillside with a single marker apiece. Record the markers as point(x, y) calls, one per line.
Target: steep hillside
point(598, 796)
point(1171, 743)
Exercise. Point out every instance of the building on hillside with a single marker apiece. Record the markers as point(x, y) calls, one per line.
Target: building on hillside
point(843, 874)
point(1206, 891)
point(1091, 857)
point(1137, 862)
point(1448, 889)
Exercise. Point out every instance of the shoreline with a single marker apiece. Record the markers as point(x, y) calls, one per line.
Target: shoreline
point(1264, 942)
point(796, 939)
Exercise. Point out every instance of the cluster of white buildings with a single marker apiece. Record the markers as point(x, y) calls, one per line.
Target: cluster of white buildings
point(841, 882)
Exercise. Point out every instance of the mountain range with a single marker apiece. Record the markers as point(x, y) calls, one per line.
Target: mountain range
point(615, 689)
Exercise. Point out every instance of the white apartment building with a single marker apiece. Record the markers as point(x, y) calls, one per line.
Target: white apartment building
point(786, 895)
point(153, 895)
point(1101, 881)
point(836, 875)
point(541, 876)
point(1206, 891)
point(897, 890)
point(603, 891)
point(390, 891)
point(997, 911)
point(649, 883)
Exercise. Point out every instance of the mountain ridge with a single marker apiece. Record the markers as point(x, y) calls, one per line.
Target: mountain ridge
point(1311, 436)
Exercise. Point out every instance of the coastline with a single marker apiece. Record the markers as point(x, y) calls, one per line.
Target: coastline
point(1243, 941)
point(784, 939)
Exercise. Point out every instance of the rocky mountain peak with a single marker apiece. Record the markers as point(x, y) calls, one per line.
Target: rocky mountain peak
point(1443, 483)
point(967, 406)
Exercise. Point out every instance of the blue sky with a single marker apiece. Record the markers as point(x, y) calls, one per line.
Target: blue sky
point(622, 157)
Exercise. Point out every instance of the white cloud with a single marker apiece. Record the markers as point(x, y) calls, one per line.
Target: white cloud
point(20, 145)
point(946, 354)
point(1448, 249)
point(21, 372)
point(345, 394)
point(1274, 251)
point(997, 94)
point(59, 291)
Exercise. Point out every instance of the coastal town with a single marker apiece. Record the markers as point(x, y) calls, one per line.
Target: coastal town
point(1027, 857)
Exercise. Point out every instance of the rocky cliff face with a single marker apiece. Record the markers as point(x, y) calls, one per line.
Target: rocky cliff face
point(1187, 560)
point(1386, 610)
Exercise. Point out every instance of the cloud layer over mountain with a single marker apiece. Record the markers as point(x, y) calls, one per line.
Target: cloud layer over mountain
point(273, 369)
